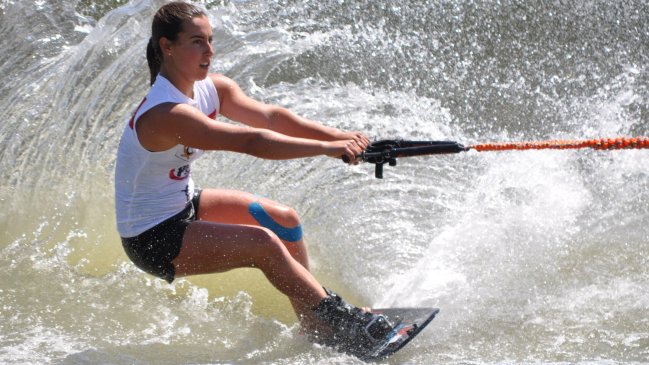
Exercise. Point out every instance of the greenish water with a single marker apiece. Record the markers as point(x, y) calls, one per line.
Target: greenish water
point(533, 257)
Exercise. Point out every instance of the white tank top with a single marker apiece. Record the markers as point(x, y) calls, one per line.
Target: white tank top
point(153, 186)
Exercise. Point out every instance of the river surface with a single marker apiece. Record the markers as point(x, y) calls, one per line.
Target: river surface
point(534, 257)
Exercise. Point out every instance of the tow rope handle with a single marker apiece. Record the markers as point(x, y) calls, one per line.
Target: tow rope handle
point(386, 151)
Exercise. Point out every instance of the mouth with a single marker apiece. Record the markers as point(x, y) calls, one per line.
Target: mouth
point(205, 65)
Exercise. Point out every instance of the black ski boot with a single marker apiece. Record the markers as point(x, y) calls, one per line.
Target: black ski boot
point(354, 331)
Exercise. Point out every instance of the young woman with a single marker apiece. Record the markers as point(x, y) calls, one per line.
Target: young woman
point(171, 229)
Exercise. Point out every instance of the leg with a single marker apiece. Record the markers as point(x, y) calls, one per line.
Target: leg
point(231, 206)
point(210, 247)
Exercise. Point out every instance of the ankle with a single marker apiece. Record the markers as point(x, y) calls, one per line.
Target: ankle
point(348, 321)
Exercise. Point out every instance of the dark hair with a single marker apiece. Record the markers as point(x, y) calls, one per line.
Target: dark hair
point(167, 23)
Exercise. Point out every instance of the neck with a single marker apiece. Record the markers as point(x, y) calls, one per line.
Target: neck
point(185, 86)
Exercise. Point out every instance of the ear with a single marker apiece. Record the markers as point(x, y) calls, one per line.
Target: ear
point(165, 46)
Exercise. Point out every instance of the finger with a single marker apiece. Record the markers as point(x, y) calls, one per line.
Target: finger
point(363, 140)
point(349, 153)
point(360, 142)
point(357, 152)
point(358, 137)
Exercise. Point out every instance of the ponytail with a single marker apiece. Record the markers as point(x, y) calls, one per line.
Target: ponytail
point(153, 59)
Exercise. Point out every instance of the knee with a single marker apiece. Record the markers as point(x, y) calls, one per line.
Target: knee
point(289, 218)
point(283, 221)
point(270, 250)
point(290, 228)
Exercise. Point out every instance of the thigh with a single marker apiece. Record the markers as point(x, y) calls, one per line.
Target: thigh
point(232, 207)
point(210, 247)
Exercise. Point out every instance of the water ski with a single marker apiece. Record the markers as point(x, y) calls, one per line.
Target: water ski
point(407, 322)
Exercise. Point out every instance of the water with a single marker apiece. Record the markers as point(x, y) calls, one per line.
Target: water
point(533, 257)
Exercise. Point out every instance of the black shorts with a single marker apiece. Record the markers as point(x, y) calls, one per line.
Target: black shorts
point(154, 249)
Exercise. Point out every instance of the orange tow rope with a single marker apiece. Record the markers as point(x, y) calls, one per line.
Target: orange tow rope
point(598, 144)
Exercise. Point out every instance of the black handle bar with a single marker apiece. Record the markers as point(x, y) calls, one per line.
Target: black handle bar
point(387, 151)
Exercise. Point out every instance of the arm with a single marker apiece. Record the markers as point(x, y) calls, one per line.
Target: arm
point(237, 106)
point(167, 125)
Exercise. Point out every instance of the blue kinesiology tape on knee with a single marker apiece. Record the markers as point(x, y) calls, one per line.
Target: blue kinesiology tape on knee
point(265, 220)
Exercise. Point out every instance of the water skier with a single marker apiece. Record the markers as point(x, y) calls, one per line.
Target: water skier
point(169, 228)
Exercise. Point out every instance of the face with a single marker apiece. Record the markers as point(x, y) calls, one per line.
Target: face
point(190, 55)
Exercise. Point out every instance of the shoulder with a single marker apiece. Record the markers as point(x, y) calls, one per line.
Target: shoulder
point(225, 86)
point(220, 79)
point(169, 124)
point(171, 111)
point(161, 93)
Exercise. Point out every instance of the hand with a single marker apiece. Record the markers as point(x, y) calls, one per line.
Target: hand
point(358, 137)
point(360, 140)
point(346, 148)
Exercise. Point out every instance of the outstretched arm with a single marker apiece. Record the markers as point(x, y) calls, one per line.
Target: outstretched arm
point(272, 132)
point(170, 124)
point(237, 106)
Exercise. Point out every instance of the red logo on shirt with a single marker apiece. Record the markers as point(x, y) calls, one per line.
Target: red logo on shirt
point(180, 173)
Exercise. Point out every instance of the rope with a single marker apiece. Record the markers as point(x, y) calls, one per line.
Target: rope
point(598, 144)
